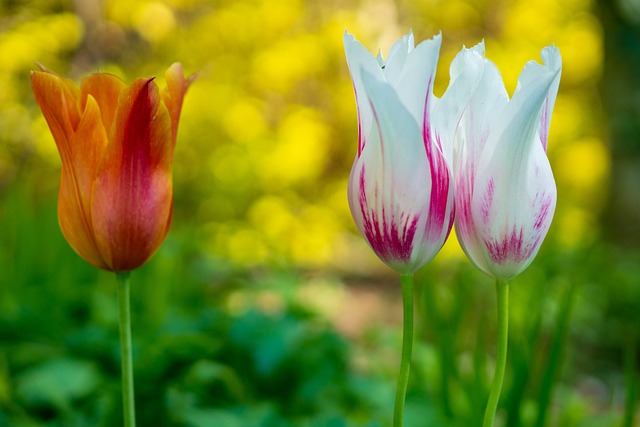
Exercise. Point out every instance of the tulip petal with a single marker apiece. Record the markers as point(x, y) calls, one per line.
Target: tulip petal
point(358, 59)
point(552, 60)
point(477, 88)
point(105, 88)
point(74, 203)
point(387, 186)
point(58, 101)
point(81, 147)
point(515, 193)
point(465, 74)
point(393, 66)
point(133, 193)
point(173, 95)
point(414, 83)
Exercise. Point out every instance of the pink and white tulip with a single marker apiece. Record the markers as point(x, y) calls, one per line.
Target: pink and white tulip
point(401, 183)
point(505, 190)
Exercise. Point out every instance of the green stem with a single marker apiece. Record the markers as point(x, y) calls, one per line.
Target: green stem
point(128, 404)
point(502, 290)
point(407, 344)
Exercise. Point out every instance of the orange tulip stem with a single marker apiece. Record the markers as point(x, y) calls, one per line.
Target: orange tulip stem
point(128, 403)
point(502, 290)
point(407, 347)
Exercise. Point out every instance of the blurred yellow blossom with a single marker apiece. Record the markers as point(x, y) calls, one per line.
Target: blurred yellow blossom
point(154, 21)
point(268, 133)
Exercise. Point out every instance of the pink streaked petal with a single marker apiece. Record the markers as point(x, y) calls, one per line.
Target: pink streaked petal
point(441, 197)
point(389, 235)
point(544, 124)
point(465, 224)
point(513, 226)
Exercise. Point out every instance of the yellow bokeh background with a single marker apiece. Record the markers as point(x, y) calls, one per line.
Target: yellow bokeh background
point(268, 131)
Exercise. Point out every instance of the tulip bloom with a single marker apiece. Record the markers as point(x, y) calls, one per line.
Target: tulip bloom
point(505, 191)
point(116, 143)
point(400, 191)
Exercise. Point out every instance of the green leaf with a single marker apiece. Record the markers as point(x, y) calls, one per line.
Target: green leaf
point(57, 382)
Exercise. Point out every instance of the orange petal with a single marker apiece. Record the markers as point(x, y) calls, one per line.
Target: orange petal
point(78, 175)
point(74, 224)
point(58, 101)
point(105, 88)
point(88, 151)
point(133, 193)
point(173, 94)
point(81, 140)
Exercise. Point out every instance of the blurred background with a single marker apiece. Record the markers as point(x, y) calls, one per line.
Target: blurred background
point(264, 307)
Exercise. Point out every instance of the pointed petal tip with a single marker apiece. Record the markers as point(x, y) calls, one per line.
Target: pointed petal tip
point(479, 48)
point(410, 40)
point(175, 72)
point(348, 38)
point(551, 57)
point(436, 38)
point(42, 69)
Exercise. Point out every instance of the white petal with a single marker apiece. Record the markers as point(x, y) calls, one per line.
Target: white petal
point(389, 185)
point(414, 82)
point(397, 56)
point(514, 185)
point(395, 144)
point(519, 218)
point(359, 58)
point(465, 74)
point(477, 89)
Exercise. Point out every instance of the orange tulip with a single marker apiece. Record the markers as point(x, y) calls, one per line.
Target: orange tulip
point(116, 144)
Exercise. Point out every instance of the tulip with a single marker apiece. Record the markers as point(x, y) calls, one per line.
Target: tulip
point(400, 187)
point(116, 193)
point(401, 184)
point(505, 191)
point(116, 143)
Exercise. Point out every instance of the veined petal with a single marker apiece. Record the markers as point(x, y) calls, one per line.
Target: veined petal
point(76, 182)
point(173, 95)
point(519, 217)
point(81, 146)
point(132, 195)
point(477, 88)
point(105, 89)
point(74, 203)
point(389, 185)
point(514, 192)
point(74, 222)
point(88, 150)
